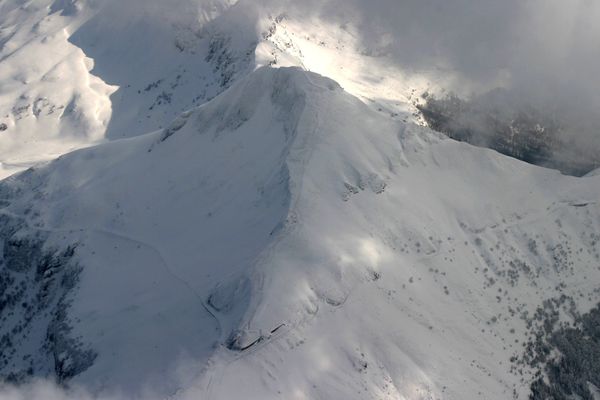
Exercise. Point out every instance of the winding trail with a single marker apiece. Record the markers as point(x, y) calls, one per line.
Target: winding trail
point(124, 237)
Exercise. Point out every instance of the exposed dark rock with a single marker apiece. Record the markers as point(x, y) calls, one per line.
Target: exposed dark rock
point(36, 283)
point(69, 359)
point(240, 341)
point(518, 130)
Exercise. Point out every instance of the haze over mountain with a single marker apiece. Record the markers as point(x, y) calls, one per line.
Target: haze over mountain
point(243, 200)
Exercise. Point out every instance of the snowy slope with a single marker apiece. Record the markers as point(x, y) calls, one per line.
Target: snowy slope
point(176, 56)
point(285, 240)
point(110, 69)
point(70, 80)
point(49, 101)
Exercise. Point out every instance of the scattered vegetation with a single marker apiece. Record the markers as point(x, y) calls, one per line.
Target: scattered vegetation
point(35, 284)
point(510, 128)
point(568, 359)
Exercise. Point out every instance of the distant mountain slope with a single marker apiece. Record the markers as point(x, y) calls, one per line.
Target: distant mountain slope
point(50, 103)
point(286, 240)
point(514, 128)
point(75, 73)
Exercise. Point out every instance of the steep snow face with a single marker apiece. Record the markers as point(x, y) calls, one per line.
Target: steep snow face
point(157, 224)
point(410, 266)
point(75, 73)
point(49, 101)
point(290, 239)
point(176, 56)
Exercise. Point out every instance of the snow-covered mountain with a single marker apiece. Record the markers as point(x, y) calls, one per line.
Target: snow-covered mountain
point(285, 236)
point(56, 98)
point(76, 73)
point(289, 238)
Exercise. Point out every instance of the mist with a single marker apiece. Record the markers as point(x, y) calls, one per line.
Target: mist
point(48, 391)
point(525, 45)
point(544, 54)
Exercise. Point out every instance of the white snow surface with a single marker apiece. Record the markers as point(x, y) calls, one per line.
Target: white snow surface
point(358, 248)
point(75, 73)
point(291, 235)
point(49, 101)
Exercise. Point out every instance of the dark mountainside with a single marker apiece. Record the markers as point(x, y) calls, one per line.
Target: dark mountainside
point(522, 132)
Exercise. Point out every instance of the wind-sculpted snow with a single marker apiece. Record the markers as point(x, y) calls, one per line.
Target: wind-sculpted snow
point(50, 103)
point(197, 49)
point(70, 79)
point(286, 240)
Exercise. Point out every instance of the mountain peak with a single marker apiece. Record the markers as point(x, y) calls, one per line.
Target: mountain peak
point(225, 231)
point(285, 89)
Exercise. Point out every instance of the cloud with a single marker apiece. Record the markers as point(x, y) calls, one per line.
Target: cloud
point(43, 390)
point(546, 53)
point(477, 38)
point(47, 390)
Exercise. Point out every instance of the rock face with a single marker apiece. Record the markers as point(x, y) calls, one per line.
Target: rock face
point(518, 131)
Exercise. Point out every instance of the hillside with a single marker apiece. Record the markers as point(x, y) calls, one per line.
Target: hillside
point(256, 199)
point(92, 86)
point(286, 237)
